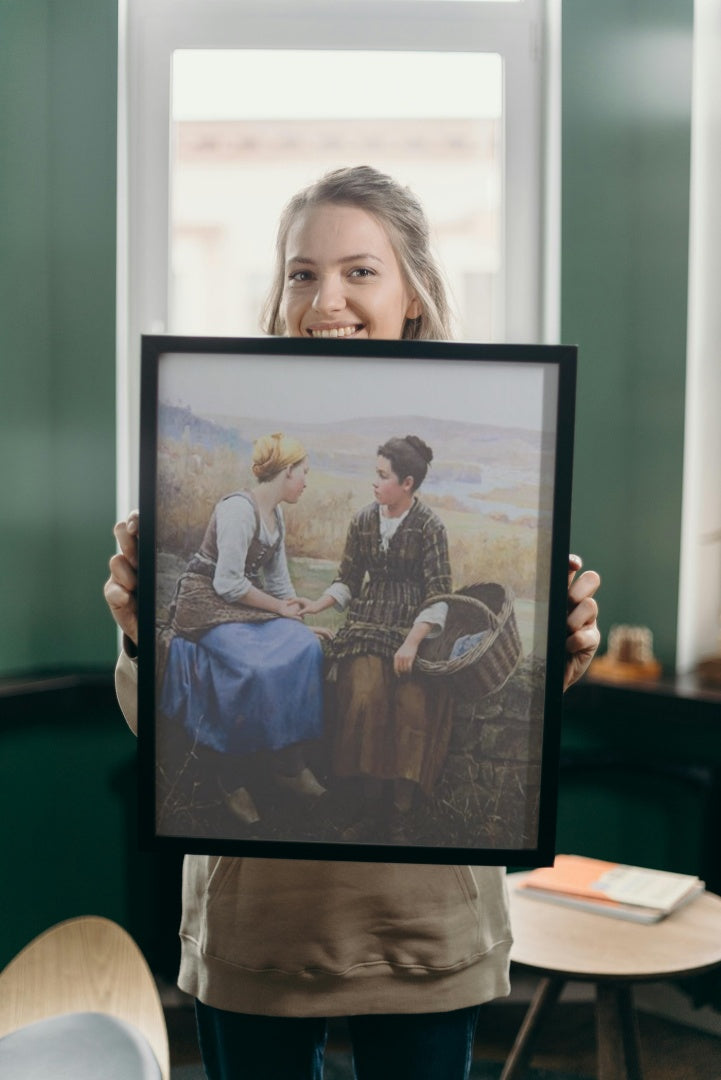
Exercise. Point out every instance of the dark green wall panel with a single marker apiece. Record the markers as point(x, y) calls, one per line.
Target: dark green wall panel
point(626, 146)
point(58, 77)
point(26, 482)
point(68, 798)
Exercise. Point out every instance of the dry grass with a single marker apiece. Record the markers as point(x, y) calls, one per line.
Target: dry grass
point(483, 546)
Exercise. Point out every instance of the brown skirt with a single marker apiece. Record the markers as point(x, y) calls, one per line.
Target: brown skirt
point(388, 727)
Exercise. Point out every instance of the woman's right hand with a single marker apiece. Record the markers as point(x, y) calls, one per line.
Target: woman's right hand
point(288, 608)
point(121, 587)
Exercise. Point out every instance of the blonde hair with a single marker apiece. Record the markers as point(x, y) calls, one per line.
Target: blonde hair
point(402, 216)
point(273, 453)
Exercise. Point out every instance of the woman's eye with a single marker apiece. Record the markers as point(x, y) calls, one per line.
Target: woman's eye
point(300, 276)
point(362, 272)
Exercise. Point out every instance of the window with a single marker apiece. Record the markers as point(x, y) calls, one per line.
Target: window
point(227, 107)
point(235, 161)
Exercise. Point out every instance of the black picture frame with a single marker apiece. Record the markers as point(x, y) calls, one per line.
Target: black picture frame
point(500, 422)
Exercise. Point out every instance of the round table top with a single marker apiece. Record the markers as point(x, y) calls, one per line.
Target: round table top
point(559, 940)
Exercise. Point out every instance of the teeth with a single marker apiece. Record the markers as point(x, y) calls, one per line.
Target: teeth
point(336, 332)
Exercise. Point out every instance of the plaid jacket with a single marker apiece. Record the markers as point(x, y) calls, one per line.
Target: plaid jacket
point(389, 588)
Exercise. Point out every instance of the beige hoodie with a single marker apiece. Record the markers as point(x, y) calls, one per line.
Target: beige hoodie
point(285, 937)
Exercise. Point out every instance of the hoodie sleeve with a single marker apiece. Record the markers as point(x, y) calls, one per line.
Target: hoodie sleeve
point(126, 689)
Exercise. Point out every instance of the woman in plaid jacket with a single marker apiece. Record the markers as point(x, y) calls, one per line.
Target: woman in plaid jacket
point(392, 724)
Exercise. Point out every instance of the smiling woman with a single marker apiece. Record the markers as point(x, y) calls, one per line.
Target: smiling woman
point(353, 259)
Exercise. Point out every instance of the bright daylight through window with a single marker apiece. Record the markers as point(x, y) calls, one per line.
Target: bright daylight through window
point(227, 108)
point(237, 156)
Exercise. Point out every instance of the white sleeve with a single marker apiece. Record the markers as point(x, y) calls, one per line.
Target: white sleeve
point(435, 614)
point(341, 594)
point(126, 689)
point(276, 575)
point(235, 519)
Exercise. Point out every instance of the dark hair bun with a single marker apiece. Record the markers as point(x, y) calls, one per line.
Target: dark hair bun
point(420, 447)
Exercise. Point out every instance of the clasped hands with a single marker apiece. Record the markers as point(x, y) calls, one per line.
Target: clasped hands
point(582, 634)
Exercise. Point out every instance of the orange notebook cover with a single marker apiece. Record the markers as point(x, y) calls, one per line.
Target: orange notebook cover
point(609, 882)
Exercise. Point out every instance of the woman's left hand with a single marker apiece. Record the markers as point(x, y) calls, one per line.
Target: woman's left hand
point(583, 635)
point(323, 632)
point(313, 607)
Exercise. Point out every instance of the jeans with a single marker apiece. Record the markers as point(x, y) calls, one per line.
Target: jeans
point(414, 1046)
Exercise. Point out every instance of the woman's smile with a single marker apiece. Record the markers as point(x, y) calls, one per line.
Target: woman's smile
point(335, 331)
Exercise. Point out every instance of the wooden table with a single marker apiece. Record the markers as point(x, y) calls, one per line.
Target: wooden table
point(563, 944)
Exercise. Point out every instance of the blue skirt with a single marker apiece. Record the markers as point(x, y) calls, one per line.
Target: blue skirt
point(245, 687)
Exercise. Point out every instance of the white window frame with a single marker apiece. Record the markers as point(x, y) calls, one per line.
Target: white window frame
point(525, 34)
point(699, 598)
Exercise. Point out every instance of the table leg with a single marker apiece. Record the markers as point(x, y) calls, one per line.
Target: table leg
point(617, 1033)
point(545, 997)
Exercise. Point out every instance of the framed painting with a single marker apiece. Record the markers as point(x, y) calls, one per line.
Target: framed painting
point(352, 597)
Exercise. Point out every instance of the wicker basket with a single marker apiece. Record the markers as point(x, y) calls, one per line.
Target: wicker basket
point(487, 665)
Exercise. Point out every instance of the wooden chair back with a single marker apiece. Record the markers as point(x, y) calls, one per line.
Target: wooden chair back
point(86, 964)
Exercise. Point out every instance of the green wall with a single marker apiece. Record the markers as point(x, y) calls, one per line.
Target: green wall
point(625, 202)
point(68, 803)
point(641, 779)
point(58, 72)
point(67, 775)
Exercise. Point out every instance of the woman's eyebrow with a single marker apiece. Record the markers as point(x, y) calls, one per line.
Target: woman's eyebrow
point(361, 257)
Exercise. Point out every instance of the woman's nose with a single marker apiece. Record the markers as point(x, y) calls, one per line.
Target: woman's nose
point(329, 296)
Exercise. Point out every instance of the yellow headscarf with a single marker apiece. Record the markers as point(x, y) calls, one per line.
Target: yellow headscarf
point(273, 453)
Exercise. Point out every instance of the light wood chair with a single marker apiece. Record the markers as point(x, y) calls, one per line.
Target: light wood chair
point(86, 965)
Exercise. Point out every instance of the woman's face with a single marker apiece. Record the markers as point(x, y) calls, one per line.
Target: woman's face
point(342, 277)
point(388, 490)
point(295, 481)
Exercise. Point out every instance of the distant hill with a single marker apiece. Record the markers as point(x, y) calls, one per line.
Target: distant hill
point(461, 449)
point(179, 422)
point(478, 456)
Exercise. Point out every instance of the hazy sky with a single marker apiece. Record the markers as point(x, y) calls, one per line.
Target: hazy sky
point(311, 389)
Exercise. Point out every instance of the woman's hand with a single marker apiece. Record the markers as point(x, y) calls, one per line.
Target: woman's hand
point(404, 657)
point(313, 607)
point(583, 635)
point(121, 587)
point(288, 608)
